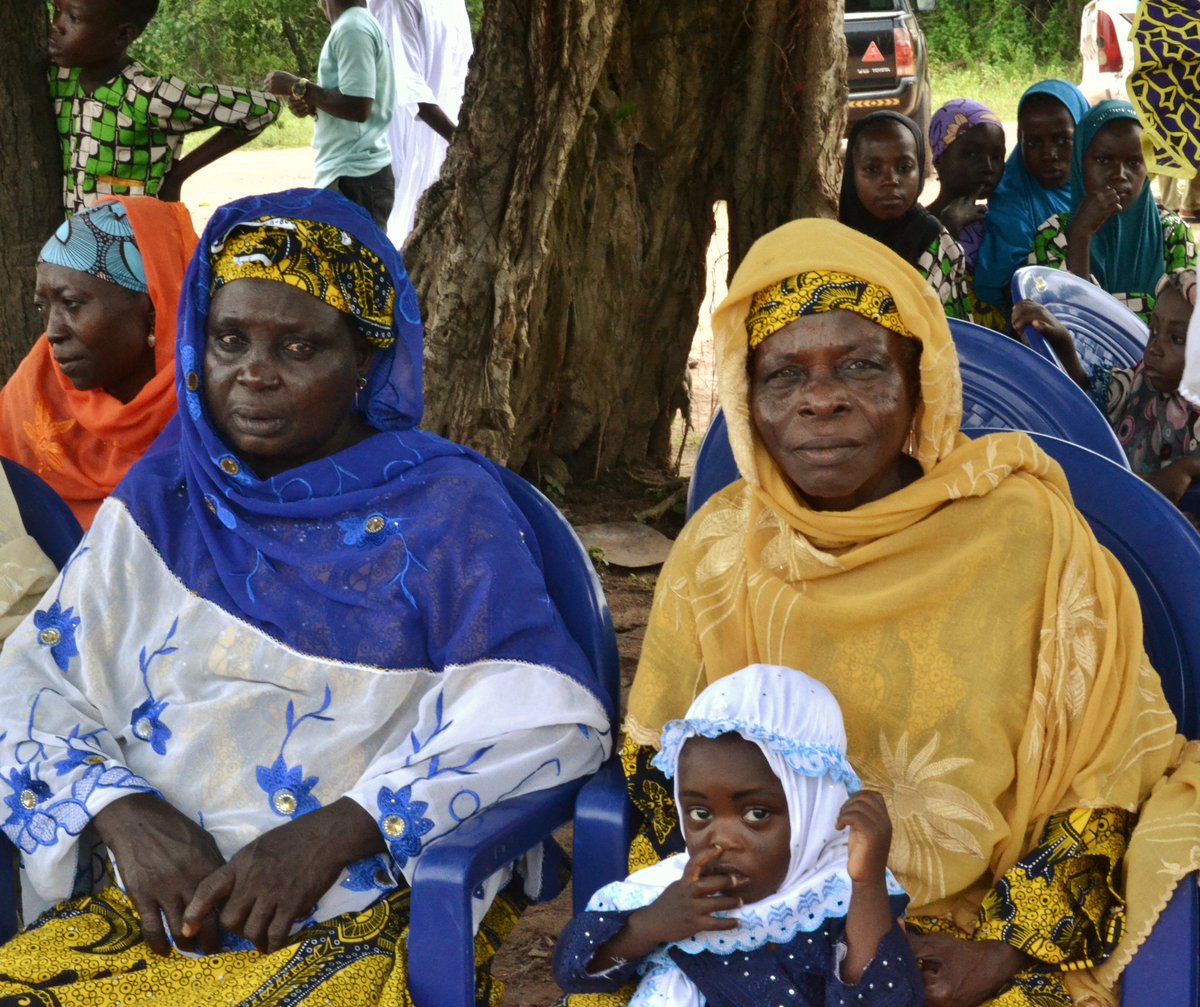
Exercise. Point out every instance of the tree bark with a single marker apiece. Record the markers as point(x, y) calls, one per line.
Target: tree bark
point(31, 197)
point(560, 257)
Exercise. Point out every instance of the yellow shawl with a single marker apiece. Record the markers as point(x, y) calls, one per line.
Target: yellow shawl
point(986, 651)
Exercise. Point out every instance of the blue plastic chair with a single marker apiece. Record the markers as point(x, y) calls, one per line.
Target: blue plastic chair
point(1106, 332)
point(1159, 550)
point(441, 943)
point(50, 521)
point(43, 513)
point(1006, 386)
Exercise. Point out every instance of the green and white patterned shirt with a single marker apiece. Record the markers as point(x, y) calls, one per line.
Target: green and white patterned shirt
point(123, 138)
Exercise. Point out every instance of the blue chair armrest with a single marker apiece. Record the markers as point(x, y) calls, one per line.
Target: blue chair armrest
point(441, 960)
point(1164, 970)
point(1190, 504)
point(603, 832)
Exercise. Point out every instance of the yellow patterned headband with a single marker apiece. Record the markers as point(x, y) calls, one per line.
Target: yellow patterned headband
point(320, 259)
point(814, 292)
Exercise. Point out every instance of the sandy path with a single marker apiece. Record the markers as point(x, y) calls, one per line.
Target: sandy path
point(244, 173)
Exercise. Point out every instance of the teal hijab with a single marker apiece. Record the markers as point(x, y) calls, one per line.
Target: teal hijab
point(1127, 252)
point(1021, 204)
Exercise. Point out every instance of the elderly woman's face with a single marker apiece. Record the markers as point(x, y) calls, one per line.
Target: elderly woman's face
point(97, 330)
point(832, 396)
point(281, 369)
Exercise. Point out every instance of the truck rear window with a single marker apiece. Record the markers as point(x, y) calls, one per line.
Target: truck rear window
point(870, 6)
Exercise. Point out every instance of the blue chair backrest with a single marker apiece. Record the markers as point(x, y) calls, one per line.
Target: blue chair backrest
point(1006, 386)
point(43, 513)
point(572, 582)
point(1106, 332)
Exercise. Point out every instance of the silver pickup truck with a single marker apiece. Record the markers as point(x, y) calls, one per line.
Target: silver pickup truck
point(887, 61)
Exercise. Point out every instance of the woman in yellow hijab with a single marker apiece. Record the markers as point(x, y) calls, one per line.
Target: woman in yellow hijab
point(986, 652)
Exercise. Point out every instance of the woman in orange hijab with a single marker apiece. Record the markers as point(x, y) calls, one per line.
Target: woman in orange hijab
point(99, 385)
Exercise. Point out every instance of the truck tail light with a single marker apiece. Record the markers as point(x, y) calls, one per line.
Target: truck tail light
point(906, 62)
point(1108, 44)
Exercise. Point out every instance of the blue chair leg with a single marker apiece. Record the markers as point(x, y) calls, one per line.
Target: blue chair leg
point(603, 832)
point(1165, 970)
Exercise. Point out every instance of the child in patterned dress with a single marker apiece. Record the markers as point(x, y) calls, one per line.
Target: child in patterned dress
point(783, 896)
point(120, 127)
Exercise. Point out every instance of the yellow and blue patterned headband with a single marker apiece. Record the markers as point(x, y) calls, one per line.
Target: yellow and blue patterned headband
point(817, 291)
point(320, 259)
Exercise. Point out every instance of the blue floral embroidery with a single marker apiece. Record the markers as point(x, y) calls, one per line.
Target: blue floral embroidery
point(77, 757)
point(288, 790)
point(187, 365)
point(402, 823)
point(56, 630)
point(30, 824)
point(146, 718)
point(56, 626)
point(223, 513)
point(374, 530)
point(370, 875)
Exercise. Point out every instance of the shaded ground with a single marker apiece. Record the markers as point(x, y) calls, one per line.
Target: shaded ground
point(524, 961)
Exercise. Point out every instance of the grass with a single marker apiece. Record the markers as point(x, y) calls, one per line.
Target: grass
point(286, 131)
point(998, 87)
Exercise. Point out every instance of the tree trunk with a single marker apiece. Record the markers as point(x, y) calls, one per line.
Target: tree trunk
point(31, 197)
point(560, 257)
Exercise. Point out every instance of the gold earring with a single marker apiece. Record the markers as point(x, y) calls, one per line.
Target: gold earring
point(910, 445)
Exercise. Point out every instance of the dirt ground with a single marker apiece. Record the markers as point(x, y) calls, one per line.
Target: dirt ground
point(524, 961)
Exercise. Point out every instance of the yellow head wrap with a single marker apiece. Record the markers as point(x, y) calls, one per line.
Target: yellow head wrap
point(816, 291)
point(320, 259)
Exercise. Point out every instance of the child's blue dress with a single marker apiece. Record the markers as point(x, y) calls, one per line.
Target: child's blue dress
point(802, 973)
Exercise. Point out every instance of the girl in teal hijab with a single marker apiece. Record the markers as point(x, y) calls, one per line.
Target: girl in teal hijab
point(1114, 234)
point(1034, 187)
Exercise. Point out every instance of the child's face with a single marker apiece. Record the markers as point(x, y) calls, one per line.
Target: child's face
point(886, 172)
point(1047, 135)
point(1168, 337)
point(973, 163)
point(88, 33)
point(730, 798)
point(1114, 161)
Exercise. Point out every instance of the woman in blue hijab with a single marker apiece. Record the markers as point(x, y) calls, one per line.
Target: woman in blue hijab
point(302, 642)
point(1114, 233)
point(1034, 187)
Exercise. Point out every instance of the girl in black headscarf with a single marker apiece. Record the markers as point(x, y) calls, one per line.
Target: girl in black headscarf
point(882, 180)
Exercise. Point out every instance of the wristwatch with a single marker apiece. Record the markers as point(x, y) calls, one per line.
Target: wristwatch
point(300, 88)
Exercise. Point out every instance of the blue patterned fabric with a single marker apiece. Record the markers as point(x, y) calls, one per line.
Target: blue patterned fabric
point(334, 558)
point(99, 241)
point(1020, 204)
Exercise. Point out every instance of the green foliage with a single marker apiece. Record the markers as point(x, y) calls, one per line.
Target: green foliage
point(232, 41)
point(1020, 35)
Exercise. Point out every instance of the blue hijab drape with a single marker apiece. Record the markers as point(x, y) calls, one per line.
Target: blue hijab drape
point(402, 551)
point(1127, 251)
point(1020, 204)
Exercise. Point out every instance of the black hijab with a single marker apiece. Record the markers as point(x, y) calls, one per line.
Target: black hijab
point(913, 233)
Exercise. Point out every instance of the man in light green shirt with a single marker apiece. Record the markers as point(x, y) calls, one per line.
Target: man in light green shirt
point(353, 99)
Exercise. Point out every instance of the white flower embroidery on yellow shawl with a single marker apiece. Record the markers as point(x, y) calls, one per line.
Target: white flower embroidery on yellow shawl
point(1069, 652)
point(926, 813)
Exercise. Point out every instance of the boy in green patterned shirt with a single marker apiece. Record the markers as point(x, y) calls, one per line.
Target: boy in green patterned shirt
point(120, 127)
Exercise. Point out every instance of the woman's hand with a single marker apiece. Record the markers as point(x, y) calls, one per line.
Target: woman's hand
point(961, 973)
point(684, 909)
point(866, 816)
point(275, 881)
point(162, 856)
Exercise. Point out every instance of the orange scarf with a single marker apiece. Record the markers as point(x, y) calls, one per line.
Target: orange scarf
point(82, 443)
